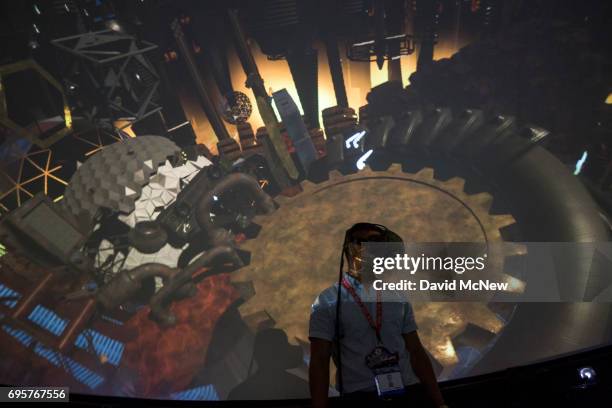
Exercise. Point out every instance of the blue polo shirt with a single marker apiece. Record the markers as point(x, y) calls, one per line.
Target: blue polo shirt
point(358, 337)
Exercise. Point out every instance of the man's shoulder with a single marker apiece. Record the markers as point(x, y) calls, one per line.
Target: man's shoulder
point(327, 297)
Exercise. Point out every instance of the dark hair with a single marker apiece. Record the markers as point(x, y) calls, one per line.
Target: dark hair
point(386, 235)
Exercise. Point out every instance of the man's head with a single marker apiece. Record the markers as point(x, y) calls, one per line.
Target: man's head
point(354, 249)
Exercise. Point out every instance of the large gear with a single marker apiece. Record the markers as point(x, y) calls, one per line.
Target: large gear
point(296, 254)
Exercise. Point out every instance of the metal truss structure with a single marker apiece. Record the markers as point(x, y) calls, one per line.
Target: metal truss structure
point(114, 75)
point(43, 134)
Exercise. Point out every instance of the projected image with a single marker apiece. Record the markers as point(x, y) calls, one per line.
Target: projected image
point(165, 231)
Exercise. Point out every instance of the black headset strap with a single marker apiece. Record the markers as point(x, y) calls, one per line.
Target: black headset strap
point(384, 230)
point(338, 310)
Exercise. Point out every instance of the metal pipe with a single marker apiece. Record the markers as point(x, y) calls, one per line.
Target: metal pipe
point(333, 57)
point(209, 108)
point(123, 285)
point(254, 79)
point(246, 183)
point(161, 300)
point(256, 83)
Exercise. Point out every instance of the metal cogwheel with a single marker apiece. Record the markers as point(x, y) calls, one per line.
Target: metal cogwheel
point(296, 254)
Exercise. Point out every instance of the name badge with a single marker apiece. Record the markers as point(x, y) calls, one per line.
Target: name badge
point(389, 384)
point(387, 375)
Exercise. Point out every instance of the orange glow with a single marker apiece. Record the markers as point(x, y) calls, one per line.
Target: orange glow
point(378, 76)
point(276, 76)
point(125, 126)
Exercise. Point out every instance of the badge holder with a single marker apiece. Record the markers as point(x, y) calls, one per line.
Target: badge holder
point(387, 374)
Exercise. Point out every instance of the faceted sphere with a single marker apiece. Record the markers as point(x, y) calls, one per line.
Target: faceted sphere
point(240, 111)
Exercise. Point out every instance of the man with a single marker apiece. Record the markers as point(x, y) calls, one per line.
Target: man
point(364, 332)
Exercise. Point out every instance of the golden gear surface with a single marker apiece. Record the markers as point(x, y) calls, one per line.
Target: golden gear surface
point(297, 252)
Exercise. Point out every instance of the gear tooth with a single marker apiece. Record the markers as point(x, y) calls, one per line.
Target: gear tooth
point(445, 352)
point(335, 175)
point(512, 249)
point(281, 200)
point(248, 245)
point(308, 187)
point(395, 168)
point(504, 220)
point(240, 276)
point(426, 173)
point(483, 317)
point(494, 235)
point(482, 200)
point(246, 289)
point(456, 183)
point(365, 172)
point(261, 218)
point(246, 309)
point(515, 285)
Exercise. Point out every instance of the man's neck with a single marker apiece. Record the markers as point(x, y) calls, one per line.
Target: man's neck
point(363, 281)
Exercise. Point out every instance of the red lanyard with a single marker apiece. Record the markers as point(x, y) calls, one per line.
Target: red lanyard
point(376, 327)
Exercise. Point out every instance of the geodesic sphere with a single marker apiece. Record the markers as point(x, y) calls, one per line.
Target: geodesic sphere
point(240, 111)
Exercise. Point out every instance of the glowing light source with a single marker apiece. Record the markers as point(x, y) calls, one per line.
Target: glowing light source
point(580, 163)
point(113, 25)
point(587, 377)
point(361, 161)
point(586, 373)
point(67, 117)
point(609, 99)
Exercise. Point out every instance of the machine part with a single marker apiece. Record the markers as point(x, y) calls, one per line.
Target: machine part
point(148, 237)
point(42, 134)
point(229, 150)
point(248, 143)
point(23, 180)
point(459, 217)
point(338, 119)
point(44, 232)
point(296, 129)
point(161, 300)
point(126, 283)
point(239, 111)
point(209, 108)
point(178, 218)
point(458, 176)
point(333, 55)
point(237, 181)
point(163, 189)
point(255, 82)
point(111, 244)
point(267, 150)
point(114, 177)
point(112, 67)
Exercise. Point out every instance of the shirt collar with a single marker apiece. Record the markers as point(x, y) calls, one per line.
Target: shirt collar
point(353, 281)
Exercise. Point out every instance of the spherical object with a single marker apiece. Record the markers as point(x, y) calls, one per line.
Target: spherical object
point(239, 111)
point(148, 237)
point(587, 374)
